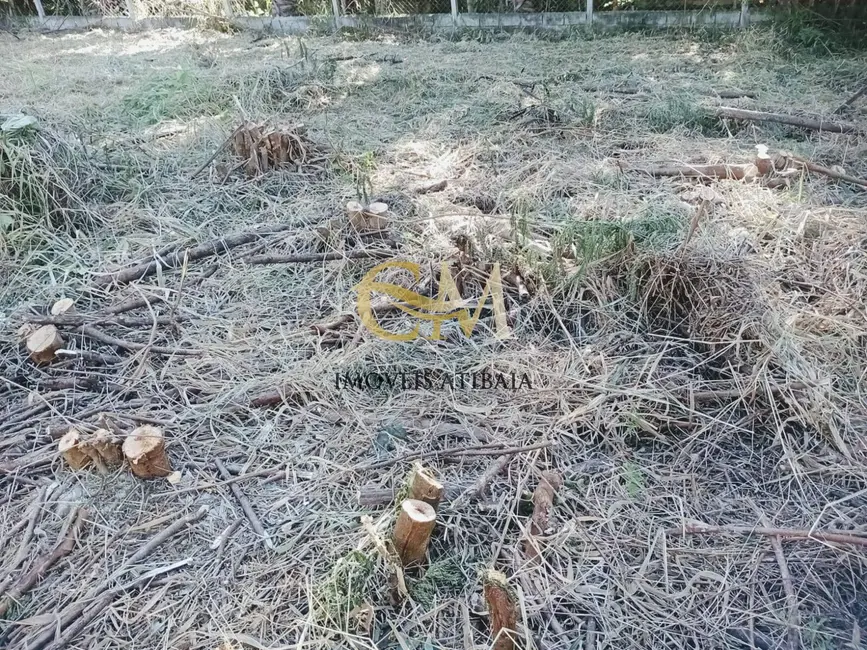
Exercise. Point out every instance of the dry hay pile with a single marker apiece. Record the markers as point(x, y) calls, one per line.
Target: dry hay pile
point(688, 387)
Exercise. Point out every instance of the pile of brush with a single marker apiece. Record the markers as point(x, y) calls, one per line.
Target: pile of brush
point(262, 148)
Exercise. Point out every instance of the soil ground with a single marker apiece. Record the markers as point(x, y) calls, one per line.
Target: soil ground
point(693, 348)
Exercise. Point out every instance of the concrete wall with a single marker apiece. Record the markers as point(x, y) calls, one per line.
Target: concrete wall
point(301, 24)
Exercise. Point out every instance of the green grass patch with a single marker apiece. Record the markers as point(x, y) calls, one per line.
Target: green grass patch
point(182, 94)
point(443, 578)
point(683, 110)
point(344, 588)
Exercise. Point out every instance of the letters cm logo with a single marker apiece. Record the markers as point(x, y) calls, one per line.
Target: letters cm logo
point(446, 306)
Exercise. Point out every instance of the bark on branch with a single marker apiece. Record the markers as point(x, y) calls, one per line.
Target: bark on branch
point(780, 118)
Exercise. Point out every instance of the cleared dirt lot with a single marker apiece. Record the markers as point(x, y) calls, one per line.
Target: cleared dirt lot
point(695, 347)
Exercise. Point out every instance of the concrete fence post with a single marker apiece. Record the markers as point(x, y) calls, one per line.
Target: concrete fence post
point(454, 12)
point(40, 10)
point(589, 12)
point(130, 9)
point(335, 7)
point(745, 14)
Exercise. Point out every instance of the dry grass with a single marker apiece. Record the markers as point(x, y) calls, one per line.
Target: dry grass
point(718, 381)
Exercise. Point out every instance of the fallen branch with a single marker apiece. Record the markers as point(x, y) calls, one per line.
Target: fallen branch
point(305, 258)
point(780, 118)
point(132, 346)
point(92, 357)
point(135, 303)
point(736, 172)
point(854, 98)
point(432, 188)
point(245, 504)
point(64, 548)
point(77, 320)
point(836, 537)
point(78, 615)
point(175, 259)
point(481, 485)
point(788, 586)
point(480, 450)
point(709, 395)
point(735, 94)
point(23, 547)
point(831, 173)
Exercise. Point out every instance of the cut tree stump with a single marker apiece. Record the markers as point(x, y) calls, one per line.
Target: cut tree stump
point(103, 448)
point(63, 306)
point(424, 487)
point(370, 218)
point(145, 450)
point(413, 529)
point(501, 606)
point(70, 447)
point(44, 343)
point(543, 502)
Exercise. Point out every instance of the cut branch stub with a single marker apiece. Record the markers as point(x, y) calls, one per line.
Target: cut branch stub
point(501, 606)
point(145, 450)
point(44, 343)
point(413, 529)
point(70, 447)
point(543, 502)
point(424, 487)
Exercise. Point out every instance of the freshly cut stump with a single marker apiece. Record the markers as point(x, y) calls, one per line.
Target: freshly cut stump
point(376, 216)
point(412, 531)
point(504, 613)
point(63, 306)
point(424, 487)
point(367, 218)
point(44, 343)
point(145, 450)
point(70, 447)
point(104, 449)
point(354, 212)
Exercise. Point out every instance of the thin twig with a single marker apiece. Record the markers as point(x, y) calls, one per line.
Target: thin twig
point(306, 258)
point(133, 346)
point(835, 537)
point(63, 548)
point(788, 587)
point(77, 616)
point(852, 100)
point(245, 504)
point(480, 450)
point(202, 251)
